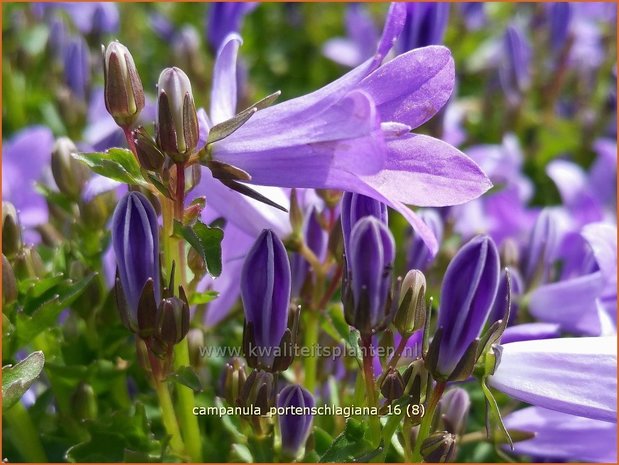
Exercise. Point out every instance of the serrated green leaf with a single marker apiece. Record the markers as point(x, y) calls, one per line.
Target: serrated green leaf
point(46, 315)
point(116, 163)
point(18, 378)
point(206, 241)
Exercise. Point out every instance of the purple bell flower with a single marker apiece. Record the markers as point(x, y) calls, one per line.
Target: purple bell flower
point(224, 18)
point(294, 428)
point(425, 25)
point(265, 290)
point(77, 67)
point(367, 279)
point(135, 239)
point(467, 295)
point(419, 256)
point(357, 206)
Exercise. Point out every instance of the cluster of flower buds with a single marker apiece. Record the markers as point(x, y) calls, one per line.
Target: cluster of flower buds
point(268, 339)
point(468, 293)
point(154, 314)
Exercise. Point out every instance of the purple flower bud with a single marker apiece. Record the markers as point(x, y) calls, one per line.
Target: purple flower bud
point(368, 276)
point(104, 18)
point(177, 120)
point(56, 41)
point(514, 72)
point(419, 256)
point(77, 67)
point(124, 94)
point(467, 295)
point(295, 428)
point(357, 206)
point(135, 238)
point(454, 408)
point(265, 290)
point(224, 18)
point(316, 240)
point(425, 25)
point(542, 247)
point(559, 18)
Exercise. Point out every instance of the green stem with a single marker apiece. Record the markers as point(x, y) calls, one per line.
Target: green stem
point(24, 435)
point(372, 397)
point(311, 339)
point(426, 423)
point(169, 418)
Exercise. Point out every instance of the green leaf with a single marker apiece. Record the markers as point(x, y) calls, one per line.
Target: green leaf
point(349, 444)
point(199, 298)
point(46, 314)
point(117, 164)
point(494, 418)
point(206, 241)
point(187, 377)
point(17, 379)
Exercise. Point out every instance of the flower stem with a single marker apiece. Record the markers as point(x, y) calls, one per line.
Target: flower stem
point(168, 417)
point(372, 397)
point(312, 329)
point(426, 423)
point(24, 435)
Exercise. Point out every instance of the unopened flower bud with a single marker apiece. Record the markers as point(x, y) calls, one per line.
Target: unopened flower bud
point(454, 408)
point(195, 340)
point(515, 288)
point(70, 175)
point(9, 284)
point(439, 447)
point(84, 402)
point(124, 94)
point(265, 290)
point(11, 230)
point(510, 253)
point(392, 386)
point(135, 238)
point(149, 155)
point(177, 121)
point(542, 248)
point(467, 296)
point(257, 391)
point(28, 264)
point(294, 428)
point(411, 314)
point(234, 377)
point(173, 320)
point(77, 67)
point(354, 208)
point(415, 380)
point(367, 279)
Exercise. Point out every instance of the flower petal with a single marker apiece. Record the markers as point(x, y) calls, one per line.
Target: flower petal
point(424, 171)
point(571, 375)
point(412, 87)
point(223, 92)
point(530, 331)
point(563, 437)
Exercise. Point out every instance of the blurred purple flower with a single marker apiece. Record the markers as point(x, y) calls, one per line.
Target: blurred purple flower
point(514, 71)
point(77, 67)
point(559, 19)
point(316, 239)
point(224, 18)
point(560, 437)
point(577, 376)
point(530, 331)
point(26, 158)
point(425, 25)
point(474, 14)
point(419, 256)
point(88, 17)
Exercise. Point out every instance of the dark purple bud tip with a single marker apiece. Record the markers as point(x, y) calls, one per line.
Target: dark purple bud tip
point(392, 386)
point(439, 447)
point(367, 283)
point(265, 290)
point(135, 238)
point(177, 120)
point(467, 295)
point(295, 420)
point(124, 94)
